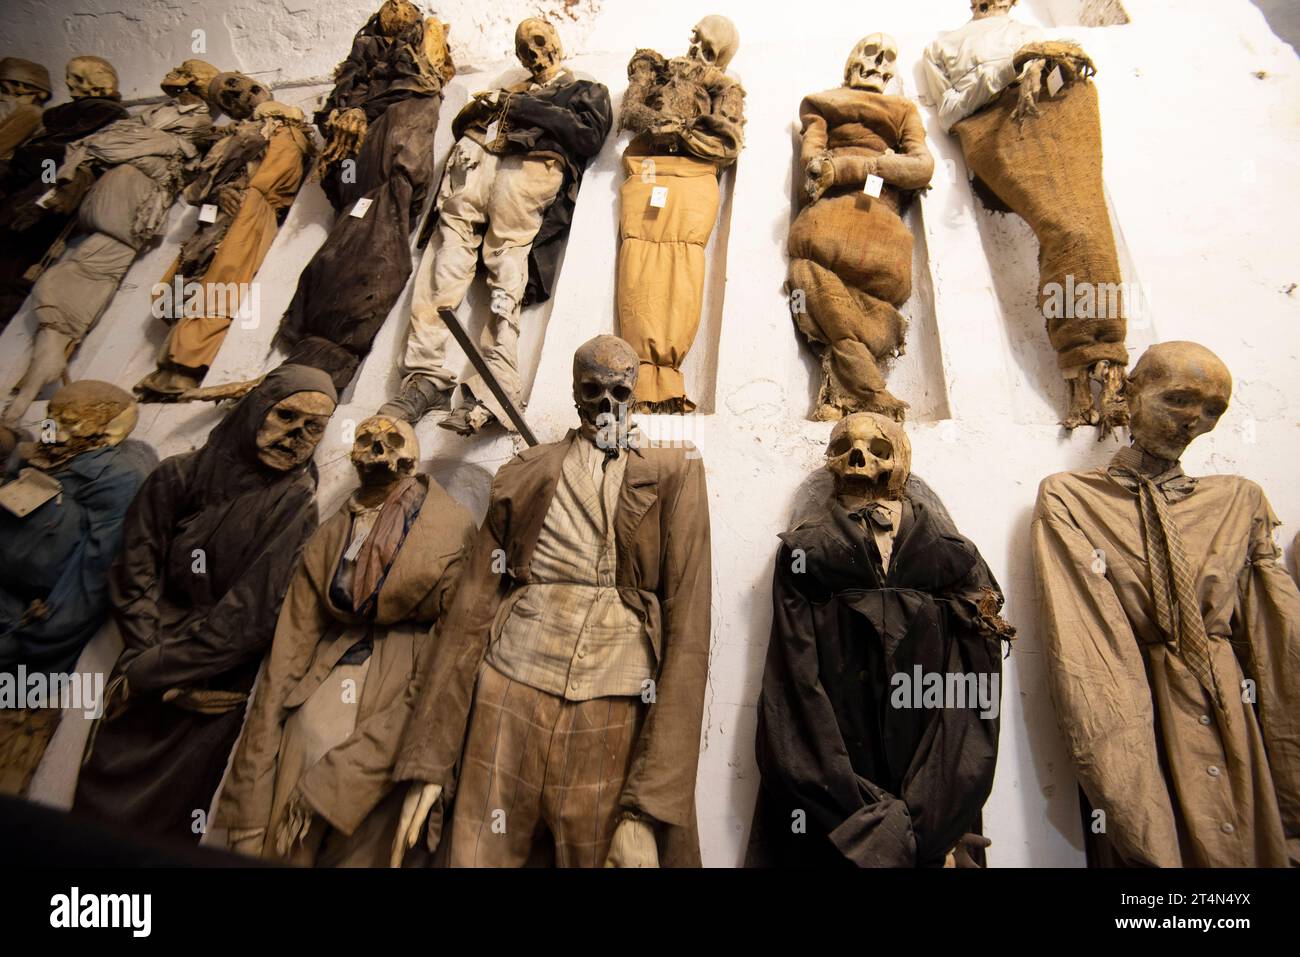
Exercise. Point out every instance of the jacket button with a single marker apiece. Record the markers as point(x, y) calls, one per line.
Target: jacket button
point(1205, 719)
point(1212, 771)
point(1227, 828)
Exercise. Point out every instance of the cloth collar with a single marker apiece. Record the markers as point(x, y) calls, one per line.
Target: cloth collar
point(1131, 465)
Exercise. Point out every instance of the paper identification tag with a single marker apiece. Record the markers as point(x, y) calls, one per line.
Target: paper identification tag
point(1054, 81)
point(28, 492)
point(873, 185)
point(46, 196)
point(359, 210)
point(659, 196)
point(207, 213)
point(492, 131)
point(355, 548)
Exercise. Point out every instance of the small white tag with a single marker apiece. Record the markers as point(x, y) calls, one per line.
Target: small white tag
point(355, 548)
point(659, 196)
point(1054, 81)
point(45, 198)
point(29, 491)
point(873, 185)
point(491, 134)
point(207, 213)
point(359, 210)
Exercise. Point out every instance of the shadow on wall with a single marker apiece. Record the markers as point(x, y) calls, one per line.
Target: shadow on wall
point(1283, 18)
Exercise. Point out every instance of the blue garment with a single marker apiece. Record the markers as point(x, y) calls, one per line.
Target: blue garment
point(61, 553)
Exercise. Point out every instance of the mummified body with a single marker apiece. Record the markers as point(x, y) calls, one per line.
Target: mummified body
point(689, 117)
point(129, 174)
point(1171, 630)
point(210, 545)
point(874, 587)
point(592, 640)
point(24, 89)
point(30, 234)
point(1040, 155)
point(54, 559)
point(251, 177)
point(509, 188)
point(379, 121)
point(850, 254)
point(311, 780)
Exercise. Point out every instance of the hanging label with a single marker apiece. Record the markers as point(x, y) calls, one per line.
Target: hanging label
point(207, 213)
point(46, 196)
point(492, 131)
point(28, 492)
point(359, 210)
point(659, 196)
point(873, 185)
point(355, 548)
point(1054, 81)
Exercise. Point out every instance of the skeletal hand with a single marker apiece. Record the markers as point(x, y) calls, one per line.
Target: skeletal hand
point(293, 826)
point(419, 801)
point(963, 854)
point(1031, 82)
point(229, 199)
point(633, 845)
point(203, 700)
point(347, 132)
point(819, 176)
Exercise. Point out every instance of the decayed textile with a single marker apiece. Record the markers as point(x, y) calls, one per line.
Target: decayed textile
point(1182, 780)
point(18, 121)
point(303, 736)
point(347, 290)
point(23, 244)
point(850, 254)
point(153, 766)
point(146, 155)
point(1048, 170)
point(265, 160)
point(661, 248)
point(59, 555)
point(661, 545)
point(880, 786)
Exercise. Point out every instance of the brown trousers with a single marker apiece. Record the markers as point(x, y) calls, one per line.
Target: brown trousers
point(541, 776)
point(24, 735)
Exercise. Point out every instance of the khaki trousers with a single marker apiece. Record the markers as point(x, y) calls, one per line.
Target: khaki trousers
point(497, 203)
point(541, 776)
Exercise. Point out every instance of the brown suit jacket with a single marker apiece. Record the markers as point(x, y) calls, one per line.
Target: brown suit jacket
point(663, 573)
point(313, 634)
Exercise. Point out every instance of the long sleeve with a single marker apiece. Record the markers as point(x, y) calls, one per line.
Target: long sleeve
point(801, 752)
point(719, 135)
point(247, 795)
point(580, 126)
point(814, 136)
point(661, 778)
point(642, 71)
point(1099, 684)
point(78, 601)
point(280, 174)
point(910, 166)
point(1267, 630)
point(239, 625)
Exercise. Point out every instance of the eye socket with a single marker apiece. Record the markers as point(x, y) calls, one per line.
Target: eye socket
point(1215, 409)
point(539, 40)
point(839, 447)
point(314, 426)
point(591, 390)
point(285, 415)
point(365, 438)
point(881, 448)
point(394, 440)
point(621, 393)
point(890, 56)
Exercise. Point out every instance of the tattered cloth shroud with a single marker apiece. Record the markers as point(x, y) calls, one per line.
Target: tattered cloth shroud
point(151, 768)
point(347, 290)
point(1048, 171)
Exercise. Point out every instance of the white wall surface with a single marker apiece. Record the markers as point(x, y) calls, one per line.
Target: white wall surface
point(1200, 155)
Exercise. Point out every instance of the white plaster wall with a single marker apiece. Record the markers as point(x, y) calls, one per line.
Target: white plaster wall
point(1199, 168)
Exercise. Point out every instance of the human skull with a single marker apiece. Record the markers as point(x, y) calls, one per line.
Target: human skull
point(604, 376)
point(23, 81)
point(979, 9)
point(236, 95)
point(189, 82)
point(537, 46)
point(871, 65)
point(81, 417)
point(397, 16)
point(385, 448)
point(1178, 390)
point(714, 40)
point(292, 430)
point(869, 456)
point(90, 76)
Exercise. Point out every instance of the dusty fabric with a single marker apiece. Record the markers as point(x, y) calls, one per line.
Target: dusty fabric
point(965, 69)
point(21, 185)
point(661, 266)
point(347, 290)
point(146, 155)
point(709, 105)
point(226, 254)
point(349, 783)
point(1048, 171)
point(24, 735)
point(567, 632)
point(1182, 781)
point(497, 202)
point(662, 572)
point(880, 785)
point(850, 254)
point(18, 121)
point(516, 805)
point(151, 768)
